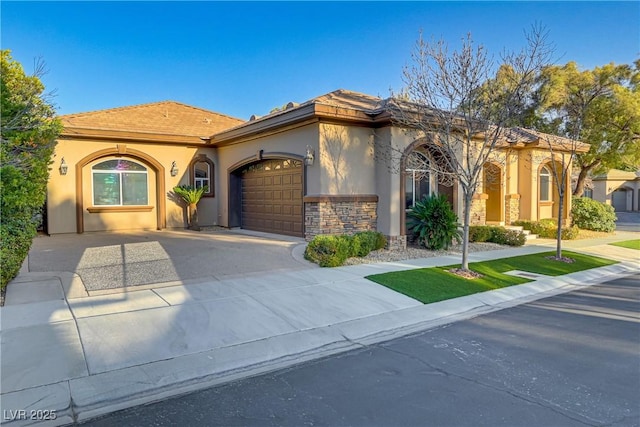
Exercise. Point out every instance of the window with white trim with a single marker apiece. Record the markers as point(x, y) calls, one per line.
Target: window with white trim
point(120, 182)
point(202, 175)
point(545, 184)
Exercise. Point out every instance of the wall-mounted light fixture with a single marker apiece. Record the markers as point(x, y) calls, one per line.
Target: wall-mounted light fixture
point(63, 167)
point(309, 156)
point(174, 168)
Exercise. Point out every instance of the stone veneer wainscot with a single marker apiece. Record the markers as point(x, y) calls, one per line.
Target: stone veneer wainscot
point(343, 214)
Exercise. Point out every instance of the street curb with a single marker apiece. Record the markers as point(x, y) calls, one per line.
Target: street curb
point(88, 397)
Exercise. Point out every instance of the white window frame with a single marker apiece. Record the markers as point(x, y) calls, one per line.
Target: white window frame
point(544, 172)
point(120, 181)
point(413, 173)
point(201, 182)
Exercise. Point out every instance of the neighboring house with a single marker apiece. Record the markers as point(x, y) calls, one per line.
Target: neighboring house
point(311, 168)
point(618, 188)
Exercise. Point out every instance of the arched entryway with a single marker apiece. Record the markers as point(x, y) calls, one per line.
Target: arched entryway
point(423, 175)
point(266, 195)
point(493, 188)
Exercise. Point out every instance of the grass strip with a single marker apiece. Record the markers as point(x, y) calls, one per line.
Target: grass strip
point(629, 244)
point(429, 285)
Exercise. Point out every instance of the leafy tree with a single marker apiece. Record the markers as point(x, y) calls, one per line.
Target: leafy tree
point(28, 135)
point(191, 195)
point(452, 100)
point(600, 107)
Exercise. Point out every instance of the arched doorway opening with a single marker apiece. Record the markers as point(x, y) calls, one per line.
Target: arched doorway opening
point(493, 188)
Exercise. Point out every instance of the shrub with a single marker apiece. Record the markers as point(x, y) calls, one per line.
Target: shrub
point(548, 228)
point(480, 233)
point(526, 225)
point(434, 223)
point(544, 229)
point(364, 242)
point(29, 132)
point(590, 214)
point(328, 251)
point(502, 236)
point(570, 233)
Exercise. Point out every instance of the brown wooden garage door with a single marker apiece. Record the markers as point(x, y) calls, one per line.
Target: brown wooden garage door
point(272, 197)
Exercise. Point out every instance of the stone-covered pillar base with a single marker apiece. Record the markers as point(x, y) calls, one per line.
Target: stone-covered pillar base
point(396, 243)
point(512, 208)
point(344, 214)
point(479, 209)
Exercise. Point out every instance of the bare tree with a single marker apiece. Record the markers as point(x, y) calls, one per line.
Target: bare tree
point(453, 102)
point(562, 152)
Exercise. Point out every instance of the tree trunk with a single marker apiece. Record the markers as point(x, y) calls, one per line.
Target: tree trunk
point(465, 231)
point(582, 176)
point(561, 196)
point(193, 217)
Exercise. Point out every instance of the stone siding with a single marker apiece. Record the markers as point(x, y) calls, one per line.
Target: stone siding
point(512, 211)
point(396, 243)
point(478, 210)
point(331, 215)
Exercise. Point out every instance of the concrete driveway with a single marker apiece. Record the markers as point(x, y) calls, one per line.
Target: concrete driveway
point(112, 260)
point(628, 221)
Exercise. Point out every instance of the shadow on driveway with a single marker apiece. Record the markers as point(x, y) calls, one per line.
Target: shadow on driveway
point(110, 260)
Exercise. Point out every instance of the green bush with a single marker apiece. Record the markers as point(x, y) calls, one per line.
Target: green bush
point(364, 242)
point(16, 235)
point(526, 225)
point(433, 223)
point(480, 233)
point(590, 214)
point(328, 251)
point(502, 236)
point(570, 233)
point(547, 229)
point(29, 132)
point(332, 251)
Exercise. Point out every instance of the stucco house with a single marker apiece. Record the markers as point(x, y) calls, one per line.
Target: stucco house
point(308, 169)
point(620, 189)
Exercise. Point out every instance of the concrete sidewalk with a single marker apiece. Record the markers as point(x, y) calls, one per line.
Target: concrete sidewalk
point(82, 356)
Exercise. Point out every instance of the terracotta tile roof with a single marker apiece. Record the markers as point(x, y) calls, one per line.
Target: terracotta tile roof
point(166, 117)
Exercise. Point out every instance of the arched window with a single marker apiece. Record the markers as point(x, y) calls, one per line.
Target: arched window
point(201, 173)
point(119, 182)
point(417, 179)
point(545, 184)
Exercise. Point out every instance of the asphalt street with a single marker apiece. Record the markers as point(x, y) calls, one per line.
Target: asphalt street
point(568, 360)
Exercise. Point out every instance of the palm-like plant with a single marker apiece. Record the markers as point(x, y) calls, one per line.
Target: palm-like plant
point(434, 223)
point(191, 195)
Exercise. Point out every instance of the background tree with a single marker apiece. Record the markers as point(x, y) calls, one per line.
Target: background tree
point(28, 132)
point(453, 101)
point(600, 107)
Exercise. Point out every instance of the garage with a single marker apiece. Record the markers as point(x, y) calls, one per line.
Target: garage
point(619, 200)
point(271, 196)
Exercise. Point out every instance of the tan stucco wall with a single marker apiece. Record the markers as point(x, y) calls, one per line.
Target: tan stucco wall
point(346, 160)
point(529, 163)
point(61, 190)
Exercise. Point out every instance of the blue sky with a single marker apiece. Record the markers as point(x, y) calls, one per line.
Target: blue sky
point(244, 58)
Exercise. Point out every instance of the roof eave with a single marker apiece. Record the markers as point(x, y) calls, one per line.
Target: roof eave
point(70, 132)
point(303, 113)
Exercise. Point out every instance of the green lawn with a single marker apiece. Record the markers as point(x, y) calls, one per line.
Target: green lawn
point(629, 244)
point(436, 284)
